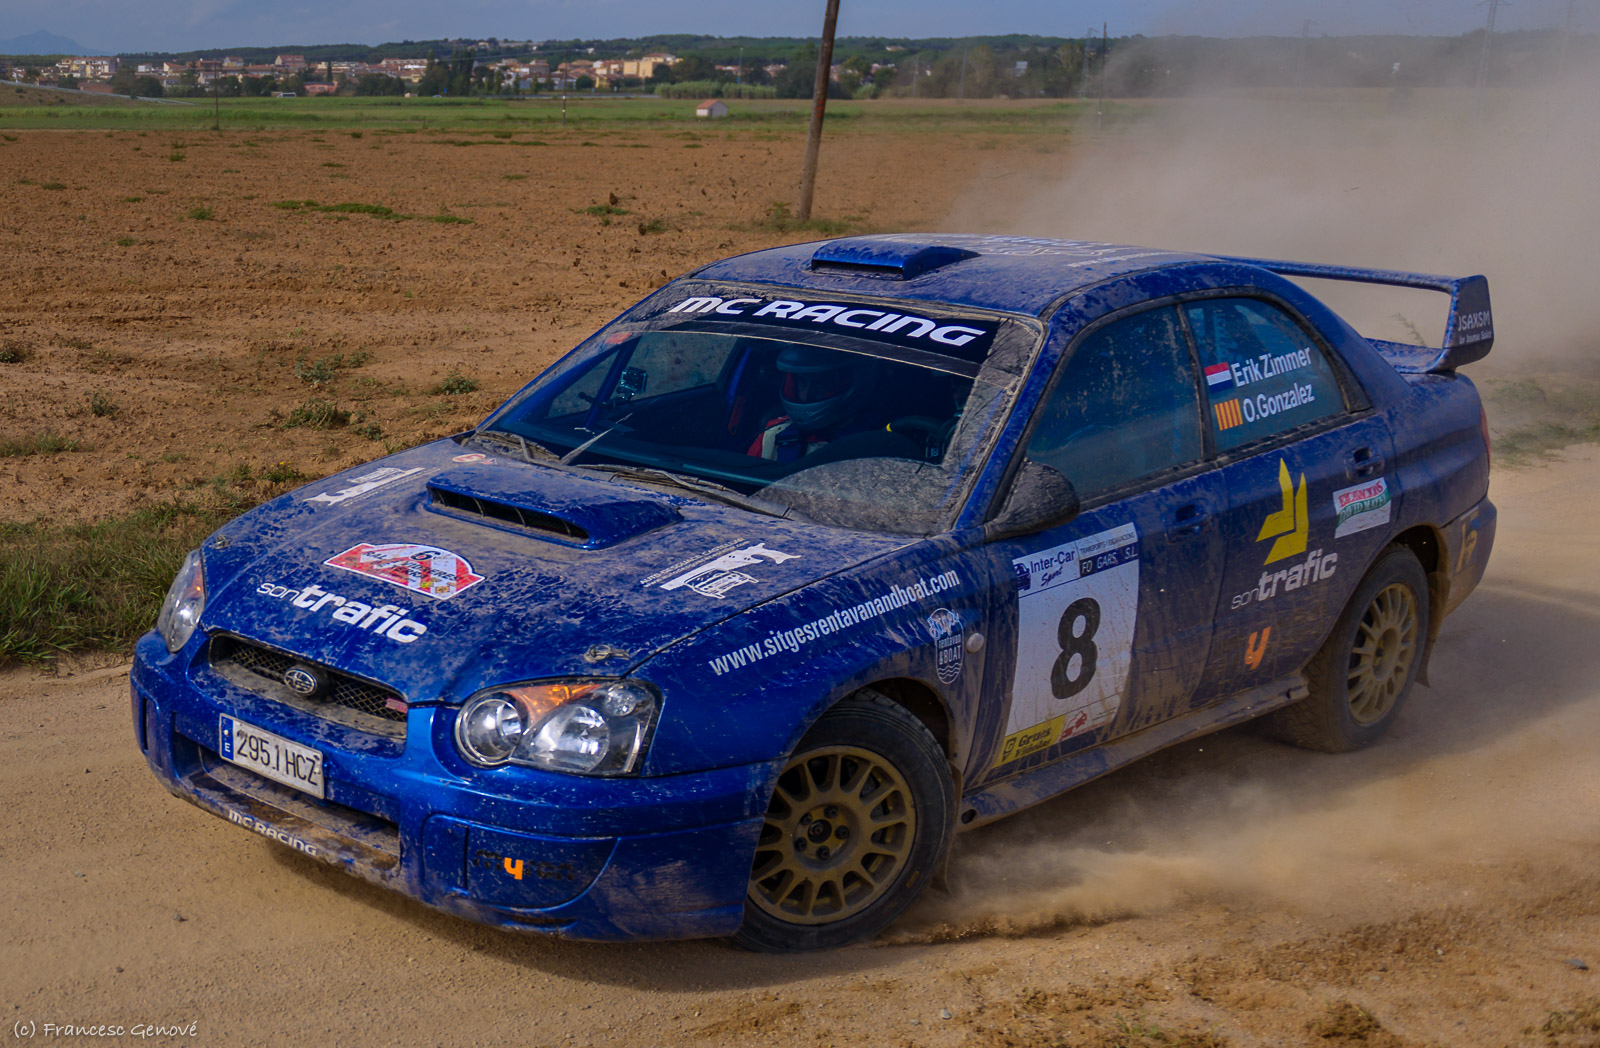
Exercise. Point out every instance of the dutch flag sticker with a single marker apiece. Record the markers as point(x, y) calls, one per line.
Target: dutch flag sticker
point(1219, 377)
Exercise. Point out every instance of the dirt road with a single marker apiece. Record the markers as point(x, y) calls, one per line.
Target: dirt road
point(1438, 889)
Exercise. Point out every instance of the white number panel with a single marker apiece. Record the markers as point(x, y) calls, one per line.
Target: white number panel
point(1077, 607)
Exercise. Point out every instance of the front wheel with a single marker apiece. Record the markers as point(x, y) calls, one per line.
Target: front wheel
point(1362, 675)
point(858, 823)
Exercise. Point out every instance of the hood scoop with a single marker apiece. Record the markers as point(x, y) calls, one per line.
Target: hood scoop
point(561, 509)
point(506, 513)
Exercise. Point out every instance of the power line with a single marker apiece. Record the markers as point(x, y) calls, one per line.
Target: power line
point(1488, 34)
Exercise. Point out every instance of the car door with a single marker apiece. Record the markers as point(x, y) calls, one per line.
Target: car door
point(1308, 490)
point(1110, 613)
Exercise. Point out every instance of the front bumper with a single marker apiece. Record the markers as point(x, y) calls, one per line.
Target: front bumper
point(586, 858)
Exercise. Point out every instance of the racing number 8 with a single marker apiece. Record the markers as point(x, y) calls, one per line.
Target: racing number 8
point(1063, 685)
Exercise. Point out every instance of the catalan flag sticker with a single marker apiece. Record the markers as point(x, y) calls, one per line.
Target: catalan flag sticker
point(1219, 377)
point(1228, 414)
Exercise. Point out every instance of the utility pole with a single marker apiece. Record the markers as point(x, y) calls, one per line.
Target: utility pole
point(738, 77)
point(961, 90)
point(1488, 34)
point(1561, 61)
point(1305, 45)
point(819, 105)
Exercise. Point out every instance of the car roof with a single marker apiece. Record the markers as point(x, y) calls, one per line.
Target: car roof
point(1016, 274)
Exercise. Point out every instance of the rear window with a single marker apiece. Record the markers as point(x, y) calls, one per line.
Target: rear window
point(1264, 375)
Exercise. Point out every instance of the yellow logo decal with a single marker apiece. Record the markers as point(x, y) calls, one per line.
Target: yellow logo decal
point(1288, 524)
point(1256, 649)
point(1031, 740)
point(513, 867)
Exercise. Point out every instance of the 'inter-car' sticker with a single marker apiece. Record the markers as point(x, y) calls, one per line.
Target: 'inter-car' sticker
point(429, 570)
point(1077, 607)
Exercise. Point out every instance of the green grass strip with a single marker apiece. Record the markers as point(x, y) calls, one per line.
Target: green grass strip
point(86, 587)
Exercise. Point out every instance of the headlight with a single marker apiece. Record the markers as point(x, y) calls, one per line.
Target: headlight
point(588, 727)
point(186, 599)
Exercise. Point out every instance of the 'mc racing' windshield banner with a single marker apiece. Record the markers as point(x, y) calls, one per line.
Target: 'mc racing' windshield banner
point(965, 338)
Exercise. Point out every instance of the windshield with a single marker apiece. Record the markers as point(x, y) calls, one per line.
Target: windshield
point(840, 430)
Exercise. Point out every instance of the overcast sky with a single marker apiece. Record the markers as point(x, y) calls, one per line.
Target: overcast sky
point(179, 25)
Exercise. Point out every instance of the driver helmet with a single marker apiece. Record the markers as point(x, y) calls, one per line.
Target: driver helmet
point(823, 387)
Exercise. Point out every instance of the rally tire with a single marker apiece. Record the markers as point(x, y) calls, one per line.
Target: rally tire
point(859, 822)
point(1361, 677)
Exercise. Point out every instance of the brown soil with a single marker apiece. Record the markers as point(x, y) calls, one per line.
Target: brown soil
point(159, 276)
point(1438, 889)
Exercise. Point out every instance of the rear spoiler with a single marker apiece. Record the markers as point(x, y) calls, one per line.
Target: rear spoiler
point(1468, 330)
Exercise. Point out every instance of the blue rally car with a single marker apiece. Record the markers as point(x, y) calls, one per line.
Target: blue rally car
point(728, 621)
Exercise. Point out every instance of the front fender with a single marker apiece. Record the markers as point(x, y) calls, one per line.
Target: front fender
point(747, 689)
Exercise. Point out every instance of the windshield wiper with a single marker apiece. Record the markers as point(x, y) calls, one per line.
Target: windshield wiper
point(699, 486)
point(516, 443)
point(566, 460)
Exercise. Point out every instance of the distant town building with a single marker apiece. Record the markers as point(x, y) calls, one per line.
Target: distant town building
point(96, 68)
point(290, 62)
point(644, 68)
point(711, 109)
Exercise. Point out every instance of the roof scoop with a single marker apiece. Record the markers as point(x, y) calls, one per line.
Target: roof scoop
point(884, 257)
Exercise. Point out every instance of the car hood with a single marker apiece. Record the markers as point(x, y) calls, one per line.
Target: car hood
point(439, 573)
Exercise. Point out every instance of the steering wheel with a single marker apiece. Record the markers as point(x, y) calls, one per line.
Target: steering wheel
point(932, 434)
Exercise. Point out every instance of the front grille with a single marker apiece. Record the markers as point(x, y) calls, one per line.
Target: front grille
point(343, 691)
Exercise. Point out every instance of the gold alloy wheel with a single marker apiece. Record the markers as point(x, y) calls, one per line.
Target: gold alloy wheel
point(1381, 658)
point(836, 837)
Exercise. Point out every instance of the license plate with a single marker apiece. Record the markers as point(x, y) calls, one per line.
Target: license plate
point(270, 755)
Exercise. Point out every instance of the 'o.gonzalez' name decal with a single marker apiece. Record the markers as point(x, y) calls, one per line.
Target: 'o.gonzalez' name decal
point(851, 318)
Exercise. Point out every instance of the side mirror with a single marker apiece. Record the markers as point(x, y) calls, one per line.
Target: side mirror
point(1040, 497)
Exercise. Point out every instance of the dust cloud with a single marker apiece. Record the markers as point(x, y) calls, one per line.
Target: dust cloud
point(1488, 776)
point(1443, 181)
point(1490, 772)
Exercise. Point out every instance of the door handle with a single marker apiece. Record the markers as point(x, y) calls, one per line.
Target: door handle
point(1362, 463)
point(1188, 521)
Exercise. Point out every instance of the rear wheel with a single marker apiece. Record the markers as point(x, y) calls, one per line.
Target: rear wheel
point(1361, 677)
point(858, 822)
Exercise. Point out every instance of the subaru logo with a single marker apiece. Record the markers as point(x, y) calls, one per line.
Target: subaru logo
point(303, 680)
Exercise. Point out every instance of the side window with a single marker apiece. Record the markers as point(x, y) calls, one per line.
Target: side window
point(1125, 406)
point(1264, 375)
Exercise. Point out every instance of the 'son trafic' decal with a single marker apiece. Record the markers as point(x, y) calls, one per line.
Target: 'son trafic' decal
point(1077, 607)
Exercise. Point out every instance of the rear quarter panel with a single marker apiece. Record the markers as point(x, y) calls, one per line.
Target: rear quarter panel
point(1441, 462)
